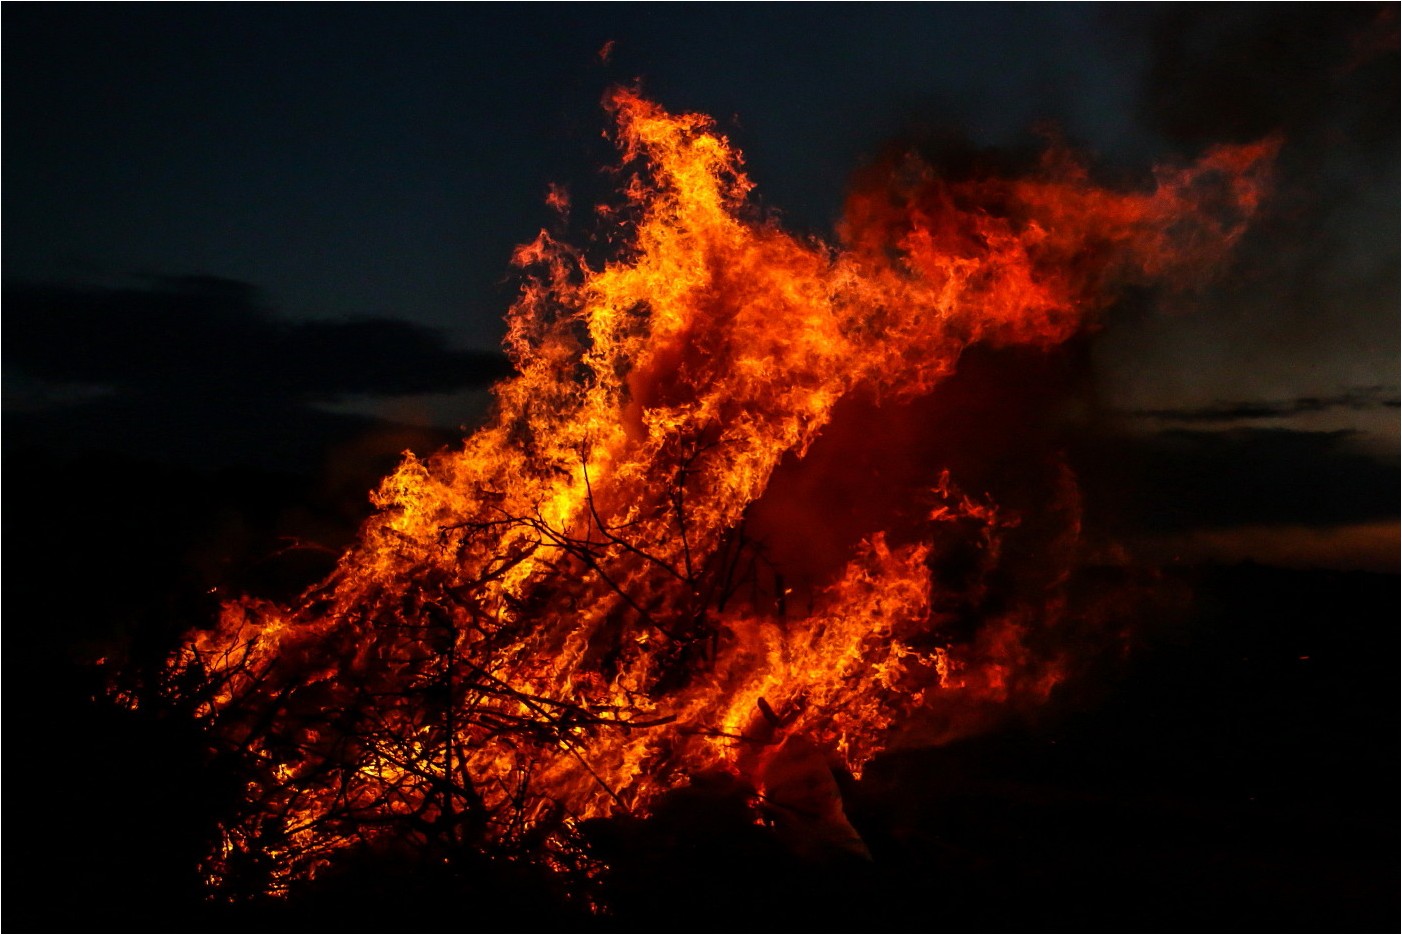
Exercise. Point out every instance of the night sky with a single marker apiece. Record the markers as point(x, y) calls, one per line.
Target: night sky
point(201, 200)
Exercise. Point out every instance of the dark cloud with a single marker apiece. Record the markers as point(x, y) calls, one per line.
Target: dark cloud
point(1357, 400)
point(202, 336)
point(197, 371)
point(1179, 480)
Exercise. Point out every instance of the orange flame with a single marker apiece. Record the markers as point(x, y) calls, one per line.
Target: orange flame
point(566, 618)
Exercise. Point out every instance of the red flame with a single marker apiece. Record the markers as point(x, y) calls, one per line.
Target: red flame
point(573, 613)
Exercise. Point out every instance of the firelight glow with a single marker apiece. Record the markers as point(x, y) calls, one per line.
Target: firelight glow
point(567, 617)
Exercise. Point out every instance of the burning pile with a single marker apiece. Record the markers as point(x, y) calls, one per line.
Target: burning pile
point(581, 608)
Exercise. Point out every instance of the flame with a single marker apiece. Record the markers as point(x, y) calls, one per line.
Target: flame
point(568, 616)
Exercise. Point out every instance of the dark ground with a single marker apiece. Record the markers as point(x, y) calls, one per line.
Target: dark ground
point(1239, 773)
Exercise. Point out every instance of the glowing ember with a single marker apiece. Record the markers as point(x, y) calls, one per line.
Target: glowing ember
point(577, 612)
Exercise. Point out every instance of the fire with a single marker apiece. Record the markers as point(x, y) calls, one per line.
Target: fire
point(573, 613)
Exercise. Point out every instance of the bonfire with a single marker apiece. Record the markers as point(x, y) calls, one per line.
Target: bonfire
point(668, 552)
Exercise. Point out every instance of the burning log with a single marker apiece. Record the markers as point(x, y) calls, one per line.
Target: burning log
point(572, 614)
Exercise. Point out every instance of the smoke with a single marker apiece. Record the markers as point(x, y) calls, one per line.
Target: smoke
point(998, 425)
point(1310, 308)
point(1234, 73)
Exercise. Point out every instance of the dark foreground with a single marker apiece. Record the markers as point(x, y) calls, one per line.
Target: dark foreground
point(1239, 771)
